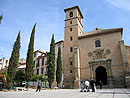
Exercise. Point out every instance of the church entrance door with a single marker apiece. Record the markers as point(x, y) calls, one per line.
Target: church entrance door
point(101, 75)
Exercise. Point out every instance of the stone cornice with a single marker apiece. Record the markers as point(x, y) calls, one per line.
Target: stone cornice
point(100, 32)
point(127, 46)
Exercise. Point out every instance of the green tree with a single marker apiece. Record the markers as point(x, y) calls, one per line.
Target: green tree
point(44, 79)
point(59, 68)
point(35, 77)
point(29, 59)
point(41, 77)
point(4, 72)
point(1, 17)
point(19, 77)
point(51, 66)
point(13, 62)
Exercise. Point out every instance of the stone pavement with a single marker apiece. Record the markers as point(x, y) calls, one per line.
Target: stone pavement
point(68, 93)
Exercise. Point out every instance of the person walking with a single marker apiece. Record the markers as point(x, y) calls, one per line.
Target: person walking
point(39, 85)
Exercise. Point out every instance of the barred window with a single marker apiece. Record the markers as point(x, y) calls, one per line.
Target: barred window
point(97, 43)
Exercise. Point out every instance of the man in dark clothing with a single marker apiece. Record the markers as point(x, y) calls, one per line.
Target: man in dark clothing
point(100, 83)
point(39, 86)
point(92, 84)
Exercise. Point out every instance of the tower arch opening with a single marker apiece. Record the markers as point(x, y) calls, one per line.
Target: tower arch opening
point(71, 14)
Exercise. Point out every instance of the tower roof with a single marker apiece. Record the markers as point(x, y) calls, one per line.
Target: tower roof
point(74, 8)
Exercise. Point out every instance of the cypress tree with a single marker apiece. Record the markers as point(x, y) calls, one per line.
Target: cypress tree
point(1, 17)
point(13, 62)
point(29, 59)
point(51, 66)
point(59, 68)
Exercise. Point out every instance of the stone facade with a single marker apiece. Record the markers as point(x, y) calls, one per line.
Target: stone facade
point(40, 62)
point(99, 54)
point(4, 63)
point(41, 59)
point(22, 64)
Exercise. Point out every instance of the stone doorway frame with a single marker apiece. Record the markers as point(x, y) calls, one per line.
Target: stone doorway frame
point(106, 63)
point(105, 74)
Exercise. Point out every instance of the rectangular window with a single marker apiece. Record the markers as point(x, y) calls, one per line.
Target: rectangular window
point(42, 61)
point(71, 71)
point(37, 71)
point(70, 29)
point(71, 38)
point(38, 63)
point(71, 63)
point(71, 49)
point(6, 61)
point(42, 70)
point(70, 22)
point(97, 43)
point(34, 55)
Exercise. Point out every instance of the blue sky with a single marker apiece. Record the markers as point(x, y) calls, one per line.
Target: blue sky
point(49, 15)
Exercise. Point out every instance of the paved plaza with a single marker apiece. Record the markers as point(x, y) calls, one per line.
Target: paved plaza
point(68, 93)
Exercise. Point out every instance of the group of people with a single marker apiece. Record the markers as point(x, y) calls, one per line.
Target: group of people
point(85, 85)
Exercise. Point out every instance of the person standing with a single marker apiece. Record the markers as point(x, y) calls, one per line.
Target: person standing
point(101, 84)
point(39, 85)
point(87, 85)
point(81, 86)
point(92, 84)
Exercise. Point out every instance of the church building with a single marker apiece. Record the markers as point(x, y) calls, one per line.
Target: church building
point(99, 54)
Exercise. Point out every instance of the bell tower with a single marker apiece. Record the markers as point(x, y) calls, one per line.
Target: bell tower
point(73, 28)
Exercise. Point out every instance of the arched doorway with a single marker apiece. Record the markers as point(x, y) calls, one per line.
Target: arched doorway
point(101, 75)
